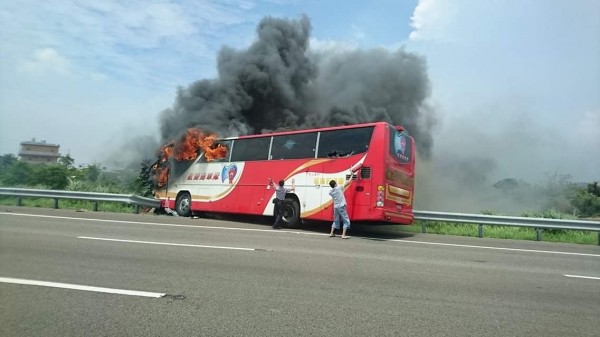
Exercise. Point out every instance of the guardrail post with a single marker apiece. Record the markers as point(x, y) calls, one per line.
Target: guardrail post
point(423, 226)
point(480, 230)
point(19, 201)
point(95, 206)
point(137, 209)
point(538, 234)
point(55, 204)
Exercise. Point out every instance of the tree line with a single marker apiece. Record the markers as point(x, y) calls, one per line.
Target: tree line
point(64, 175)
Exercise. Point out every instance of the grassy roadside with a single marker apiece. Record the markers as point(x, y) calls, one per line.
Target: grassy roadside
point(115, 207)
point(443, 228)
point(504, 232)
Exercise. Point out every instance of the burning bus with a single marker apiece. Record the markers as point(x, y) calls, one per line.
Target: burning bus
point(204, 174)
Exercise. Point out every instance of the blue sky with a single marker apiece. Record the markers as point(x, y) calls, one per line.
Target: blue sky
point(517, 82)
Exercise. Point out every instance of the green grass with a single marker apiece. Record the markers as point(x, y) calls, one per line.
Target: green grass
point(506, 232)
point(115, 207)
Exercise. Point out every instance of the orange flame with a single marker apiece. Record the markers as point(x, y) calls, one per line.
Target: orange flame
point(218, 152)
point(162, 175)
point(193, 142)
point(166, 152)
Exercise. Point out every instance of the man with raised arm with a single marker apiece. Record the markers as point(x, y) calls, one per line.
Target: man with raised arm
point(280, 192)
point(339, 207)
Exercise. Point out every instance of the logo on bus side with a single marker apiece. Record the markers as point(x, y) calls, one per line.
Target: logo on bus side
point(229, 172)
point(203, 176)
point(325, 181)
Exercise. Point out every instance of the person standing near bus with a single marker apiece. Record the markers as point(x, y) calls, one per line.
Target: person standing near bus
point(280, 192)
point(339, 207)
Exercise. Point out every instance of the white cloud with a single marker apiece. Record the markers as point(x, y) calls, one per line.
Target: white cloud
point(159, 43)
point(332, 46)
point(430, 20)
point(124, 60)
point(46, 60)
point(521, 70)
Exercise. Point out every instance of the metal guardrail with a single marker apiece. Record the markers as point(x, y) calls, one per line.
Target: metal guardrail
point(539, 224)
point(130, 199)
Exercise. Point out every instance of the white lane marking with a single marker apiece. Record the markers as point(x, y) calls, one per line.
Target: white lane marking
point(303, 233)
point(161, 224)
point(586, 277)
point(165, 243)
point(80, 287)
point(497, 248)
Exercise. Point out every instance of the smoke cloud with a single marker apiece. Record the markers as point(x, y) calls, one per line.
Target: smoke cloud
point(278, 83)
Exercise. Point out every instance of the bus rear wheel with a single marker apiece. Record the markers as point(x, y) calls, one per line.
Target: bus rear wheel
point(291, 213)
point(183, 204)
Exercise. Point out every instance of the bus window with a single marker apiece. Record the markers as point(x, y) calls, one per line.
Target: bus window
point(250, 149)
point(296, 146)
point(344, 143)
point(226, 144)
point(400, 146)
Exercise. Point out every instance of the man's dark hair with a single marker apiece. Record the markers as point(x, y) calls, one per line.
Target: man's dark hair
point(281, 183)
point(332, 183)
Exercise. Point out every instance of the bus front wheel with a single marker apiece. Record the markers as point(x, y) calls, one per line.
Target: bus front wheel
point(291, 214)
point(183, 205)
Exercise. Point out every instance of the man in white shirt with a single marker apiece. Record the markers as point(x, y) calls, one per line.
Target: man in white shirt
point(339, 207)
point(280, 192)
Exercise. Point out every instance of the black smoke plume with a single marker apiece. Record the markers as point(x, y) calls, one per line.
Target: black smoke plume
point(278, 83)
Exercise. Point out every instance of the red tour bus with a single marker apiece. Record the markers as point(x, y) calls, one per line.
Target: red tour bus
point(378, 157)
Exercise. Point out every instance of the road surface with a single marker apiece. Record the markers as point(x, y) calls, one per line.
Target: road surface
point(67, 273)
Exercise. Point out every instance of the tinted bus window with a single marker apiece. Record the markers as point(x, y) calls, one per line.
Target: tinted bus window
point(400, 146)
point(296, 146)
point(344, 143)
point(250, 149)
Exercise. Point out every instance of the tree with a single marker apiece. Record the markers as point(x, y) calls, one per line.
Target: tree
point(55, 176)
point(19, 173)
point(92, 172)
point(66, 161)
point(587, 201)
point(594, 189)
point(144, 185)
point(7, 161)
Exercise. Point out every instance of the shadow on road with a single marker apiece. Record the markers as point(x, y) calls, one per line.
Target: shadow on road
point(367, 231)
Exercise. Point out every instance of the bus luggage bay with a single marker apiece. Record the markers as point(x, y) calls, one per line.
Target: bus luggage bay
point(378, 157)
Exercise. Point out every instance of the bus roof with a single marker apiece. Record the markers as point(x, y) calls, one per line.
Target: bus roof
point(341, 127)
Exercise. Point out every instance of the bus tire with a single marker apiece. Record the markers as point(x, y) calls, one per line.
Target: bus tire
point(291, 214)
point(183, 204)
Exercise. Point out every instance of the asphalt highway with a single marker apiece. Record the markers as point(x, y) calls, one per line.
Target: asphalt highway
point(68, 273)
